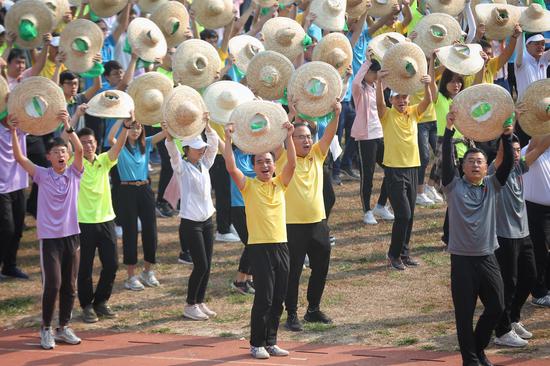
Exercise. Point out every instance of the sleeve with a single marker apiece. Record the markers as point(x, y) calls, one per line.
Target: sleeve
point(504, 169)
point(211, 149)
point(523, 167)
point(246, 187)
point(448, 165)
point(175, 157)
point(318, 153)
point(80, 98)
point(493, 65)
point(413, 111)
point(39, 174)
point(75, 172)
point(280, 183)
point(356, 89)
point(148, 144)
point(471, 23)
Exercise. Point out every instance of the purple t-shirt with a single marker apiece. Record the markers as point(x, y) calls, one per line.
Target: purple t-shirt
point(57, 202)
point(12, 175)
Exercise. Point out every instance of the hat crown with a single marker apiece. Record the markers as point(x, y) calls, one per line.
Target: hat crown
point(410, 67)
point(461, 50)
point(227, 99)
point(500, 15)
point(337, 57)
point(316, 87)
point(389, 41)
point(215, 7)
point(109, 99)
point(381, 2)
point(543, 109)
point(35, 106)
point(438, 32)
point(152, 37)
point(81, 44)
point(259, 124)
point(534, 11)
point(52, 5)
point(30, 18)
point(198, 64)
point(284, 36)
point(269, 76)
point(251, 50)
point(152, 99)
point(171, 25)
point(333, 6)
point(187, 113)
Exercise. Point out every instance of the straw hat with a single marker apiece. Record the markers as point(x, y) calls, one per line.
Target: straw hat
point(334, 49)
point(259, 126)
point(265, 3)
point(183, 112)
point(474, 3)
point(173, 20)
point(222, 97)
point(536, 120)
point(111, 104)
point(29, 19)
point(81, 40)
point(331, 14)
point(4, 91)
point(383, 42)
point(482, 110)
point(356, 8)
point(146, 39)
point(315, 86)
point(107, 8)
point(36, 102)
point(499, 19)
point(196, 63)
point(243, 48)
point(535, 19)
point(284, 35)
point(437, 30)
point(379, 8)
point(58, 9)
point(213, 14)
point(450, 7)
point(148, 92)
point(149, 6)
point(464, 59)
point(406, 64)
point(268, 74)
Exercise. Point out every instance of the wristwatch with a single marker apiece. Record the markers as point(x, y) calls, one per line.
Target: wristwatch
point(69, 130)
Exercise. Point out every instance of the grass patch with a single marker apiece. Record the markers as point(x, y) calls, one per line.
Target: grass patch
point(428, 347)
point(16, 305)
point(318, 327)
point(163, 330)
point(407, 341)
point(239, 299)
point(227, 335)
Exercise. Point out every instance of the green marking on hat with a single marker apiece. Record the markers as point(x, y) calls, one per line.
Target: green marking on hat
point(437, 31)
point(409, 67)
point(481, 111)
point(307, 41)
point(510, 121)
point(258, 125)
point(175, 27)
point(264, 11)
point(80, 45)
point(4, 114)
point(27, 30)
point(35, 107)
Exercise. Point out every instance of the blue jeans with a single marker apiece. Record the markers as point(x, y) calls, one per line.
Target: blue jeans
point(427, 137)
point(344, 127)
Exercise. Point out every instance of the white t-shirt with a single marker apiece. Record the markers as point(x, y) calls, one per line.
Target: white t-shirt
point(536, 182)
point(530, 71)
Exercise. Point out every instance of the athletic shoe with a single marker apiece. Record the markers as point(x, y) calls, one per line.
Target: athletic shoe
point(193, 312)
point(276, 351)
point(423, 200)
point(336, 180)
point(89, 315)
point(163, 209)
point(66, 335)
point(185, 258)
point(148, 279)
point(510, 339)
point(369, 218)
point(351, 173)
point(242, 288)
point(409, 261)
point(332, 240)
point(46, 338)
point(293, 323)
point(118, 231)
point(259, 353)
point(306, 261)
point(232, 230)
point(317, 316)
point(251, 287)
point(541, 301)
point(383, 212)
point(433, 194)
point(207, 311)
point(14, 272)
point(227, 237)
point(396, 263)
point(150, 168)
point(102, 309)
point(521, 331)
point(133, 284)
point(483, 360)
point(139, 225)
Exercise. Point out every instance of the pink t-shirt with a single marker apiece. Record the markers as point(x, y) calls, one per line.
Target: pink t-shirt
point(57, 202)
point(12, 175)
point(13, 82)
point(366, 125)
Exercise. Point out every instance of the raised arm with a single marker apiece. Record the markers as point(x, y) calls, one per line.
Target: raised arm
point(42, 56)
point(290, 166)
point(470, 21)
point(80, 111)
point(78, 152)
point(116, 148)
point(17, 152)
point(425, 102)
point(357, 29)
point(92, 90)
point(175, 156)
point(332, 127)
point(158, 137)
point(128, 74)
point(407, 14)
point(111, 138)
point(380, 102)
point(123, 21)
point(449, 171)
point(509, 49)
point(238, 177)
point(504, 169)
point(212, 141)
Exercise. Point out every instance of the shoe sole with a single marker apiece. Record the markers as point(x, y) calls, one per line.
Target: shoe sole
point(293, 330)
point(90, 321)
point(61, 340)
point(47, 348)
point(509, 345)
point(540, 305)
point(181, 261)
point(194, 318)
point(134, 289)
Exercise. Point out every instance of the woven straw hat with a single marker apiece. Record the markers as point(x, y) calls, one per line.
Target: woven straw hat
point(36, 102)
point(463, 59)
point(24, 17)
point(536, 120)
point(451, 7)
point(196, 63)
point(213, 14)
point(4, 91)
point(383, 42)
point(331, 14)
point(482, 110)
point(499, 19)
point(356, 8)
point(268, 74)
point(379, 8)
point(149, 6)
point(183, 112)
point(222, 97)
point(535, 19)
point(474, 3)
point(148, 92)
point(437, 30)
point(259, 126)
point(243, 48)
point(107, 8)
point(334, 49)
point(58, 9)
point(173, 20)
point(146, 39)
point(81, 40)
point(265, 3)
point(284, 35)
point(406, 64)
point(111, 104)
point(315, 86)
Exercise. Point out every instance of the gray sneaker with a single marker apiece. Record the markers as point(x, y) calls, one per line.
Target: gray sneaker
point(541, 301)
point(66, 335)
point(102, 309)
point(46, 338)
point(148, 279)
point(259, 352)
point(276, 351)
point(133, 284)
point(89, 315)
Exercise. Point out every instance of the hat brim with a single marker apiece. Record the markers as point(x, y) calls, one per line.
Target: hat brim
point(294, 48)
point(541, 24)
point(172, 9)
point(211, 94)
point(149, 6)
point(180, 94)
point(379, 45)
point(207, 19)
point(137, 90)
point(329, 43)
point(238, 49)
point(328, 21)
point(279, 62)
point(425, 38)
point(79, 61)
point(4, 91)
point(493, 30)
point(186, 53)
point(532, 124)
point(357, 10)
point(380, 10)
point(393, 61)
point(103, 10)
point(460, 65)
point(136, 33)
point(122, 109)
point(452, 8)
point(45, 21)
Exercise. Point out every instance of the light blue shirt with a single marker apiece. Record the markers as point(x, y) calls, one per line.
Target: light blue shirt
point(132, 164)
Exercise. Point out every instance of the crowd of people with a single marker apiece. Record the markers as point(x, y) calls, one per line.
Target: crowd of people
point(267, 104)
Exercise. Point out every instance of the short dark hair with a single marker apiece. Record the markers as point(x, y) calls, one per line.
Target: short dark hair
point(55, 142)
point(67, 75)
point(253, 157)
point(85, 131)
point(484, 44)
point(16, 53)
point(110, 66)
point(474, 150)
point(208, 33)
point(515, 139)
point(311, 129)
point(375, 66)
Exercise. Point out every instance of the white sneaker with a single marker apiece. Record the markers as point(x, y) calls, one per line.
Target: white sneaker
point(306, 261)
point(423, 200)
point(118, 231)
point(139, 225)
point(232, 230)
point(259, 352)
point(66, 335)
point(148, 279)
point(133, 284)
point(46, 338)
point(227, 237)
point(207, 311)
point(276, 351)
point(510, 339)
point(433, 194)
point(194, 312)
point(369, 218)
point(521, 331)
point(383, 212)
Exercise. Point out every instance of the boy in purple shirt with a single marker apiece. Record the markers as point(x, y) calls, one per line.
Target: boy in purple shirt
point(57, 228)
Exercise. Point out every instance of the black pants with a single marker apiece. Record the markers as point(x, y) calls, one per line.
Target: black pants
point(238, 216)
point(137, 202)
point(539, 229)
point(59, 260)
point(12, 218)
point(221, 185)
point(270, 270)
point(517, 267)
point(427, 138)
point(39, 159)
point(115, 186)
point(473, 277)
point(401, 188)
point(329, 198)
point(313, 240)
point(100, 236)
point(371, 152)
point(199, 238)
point(165, 168)
point(347, 116)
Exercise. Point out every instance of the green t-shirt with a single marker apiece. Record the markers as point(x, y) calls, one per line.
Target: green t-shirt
point(442, 106)
point(416, 16)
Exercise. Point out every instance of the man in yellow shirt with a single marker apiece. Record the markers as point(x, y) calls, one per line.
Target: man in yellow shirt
point(401, 162)
point(49, 68)
point(394, 25)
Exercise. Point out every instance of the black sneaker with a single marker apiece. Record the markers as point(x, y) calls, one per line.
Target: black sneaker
point(483, 360)
point(240, 287)
point(293, 323)
point(164, 209)
point(89, 315)
point(336, 180)
point(102, 309)
point(185, 258)
point(317, 316)
point(250, 284)
point(351, 173)
point(409, 262)
point(14, 272)
point(332, 240)
point(396, 263)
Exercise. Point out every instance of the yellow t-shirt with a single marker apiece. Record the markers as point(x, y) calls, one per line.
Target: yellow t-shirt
point(264, 204)
point(49, 69)
point(94, 198)
point(488, 76)
point(401, 138)
point(223, 55)
point(429, 114)
point(395, 27)
point(219, 130)
point(305, 189)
